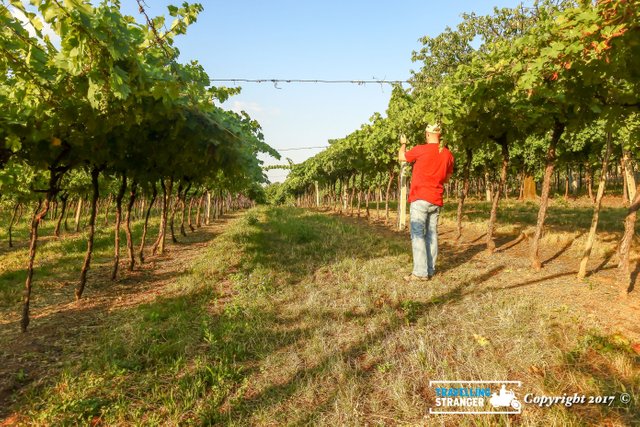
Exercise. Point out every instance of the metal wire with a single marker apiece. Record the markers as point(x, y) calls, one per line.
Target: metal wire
point(276, 81)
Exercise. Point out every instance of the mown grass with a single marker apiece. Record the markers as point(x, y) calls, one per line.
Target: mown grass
point(292, 317)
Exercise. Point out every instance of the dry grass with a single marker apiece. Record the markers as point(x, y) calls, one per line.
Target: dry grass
point(293, 317)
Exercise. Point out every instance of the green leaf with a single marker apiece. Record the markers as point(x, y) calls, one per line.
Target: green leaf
point(118, 83)
point(12, 142)
point(37, 23)
point(93, 94)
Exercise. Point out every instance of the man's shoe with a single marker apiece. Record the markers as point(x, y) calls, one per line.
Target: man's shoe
point(413, 278)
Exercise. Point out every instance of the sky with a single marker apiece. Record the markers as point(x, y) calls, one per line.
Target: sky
point(285, 39)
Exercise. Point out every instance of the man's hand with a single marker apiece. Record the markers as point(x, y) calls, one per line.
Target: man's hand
point(403, 148)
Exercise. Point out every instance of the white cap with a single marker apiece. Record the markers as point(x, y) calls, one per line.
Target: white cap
point(433, 128)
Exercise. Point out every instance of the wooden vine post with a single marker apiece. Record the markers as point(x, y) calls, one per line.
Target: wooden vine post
point(402, 200)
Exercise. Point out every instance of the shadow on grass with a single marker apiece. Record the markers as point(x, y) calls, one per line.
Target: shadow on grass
point(359, 246)
point(207, 354)
point(340, 239)
point(32, 357)
point(561, 216)
point(561, 251)
point(141, 355)
point(521, 237)
point(277, 393)
point(65, 264)
point(634, 277)
point(477, 239)
point(601, 266)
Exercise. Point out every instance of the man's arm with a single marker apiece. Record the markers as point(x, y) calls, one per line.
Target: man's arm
point(403, 149)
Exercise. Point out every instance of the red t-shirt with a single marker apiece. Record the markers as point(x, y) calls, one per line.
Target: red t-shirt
point(429, 172)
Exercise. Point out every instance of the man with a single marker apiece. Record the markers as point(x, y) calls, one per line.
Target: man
point(433, 166)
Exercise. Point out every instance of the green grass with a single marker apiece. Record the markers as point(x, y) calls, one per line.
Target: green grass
point(292, 317)
point(58, 261)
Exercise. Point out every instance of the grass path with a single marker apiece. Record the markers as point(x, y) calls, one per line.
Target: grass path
point(282, 316)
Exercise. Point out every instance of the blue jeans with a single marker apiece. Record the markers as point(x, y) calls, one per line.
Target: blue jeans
point(424, 237)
